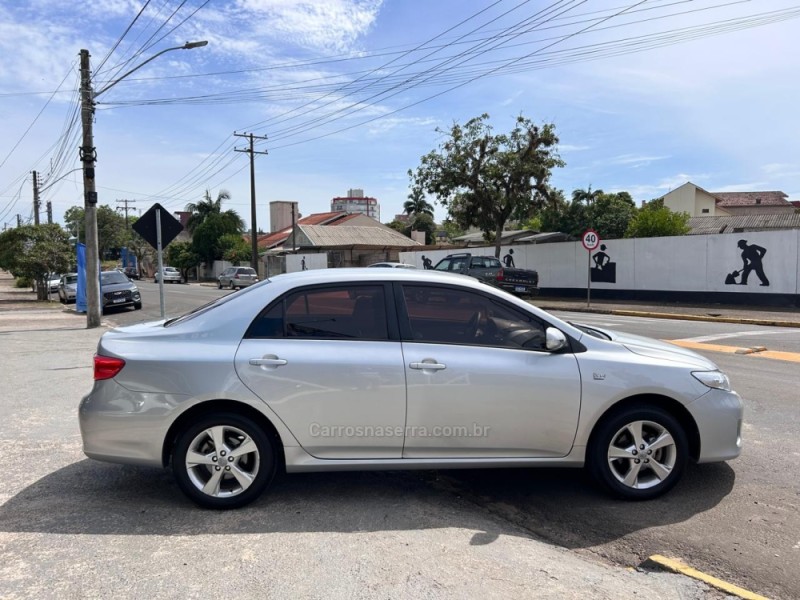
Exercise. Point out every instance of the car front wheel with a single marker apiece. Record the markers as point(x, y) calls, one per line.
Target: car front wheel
point(639, 453)
point(223, 460)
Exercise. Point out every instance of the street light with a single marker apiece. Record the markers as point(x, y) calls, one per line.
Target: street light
point(88, 156)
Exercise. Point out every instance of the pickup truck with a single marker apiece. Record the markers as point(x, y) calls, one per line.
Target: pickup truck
point(490, 270)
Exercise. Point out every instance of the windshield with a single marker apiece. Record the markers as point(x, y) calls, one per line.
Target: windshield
point(110, 277)
point(71, 279)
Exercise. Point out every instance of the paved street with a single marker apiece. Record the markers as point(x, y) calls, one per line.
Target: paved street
point(437, 533)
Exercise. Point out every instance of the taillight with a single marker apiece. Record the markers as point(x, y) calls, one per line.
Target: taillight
point(236, 276)
point(500, 275)
point(106, 367)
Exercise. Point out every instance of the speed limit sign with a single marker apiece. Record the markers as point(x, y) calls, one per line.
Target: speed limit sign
point(590, 239)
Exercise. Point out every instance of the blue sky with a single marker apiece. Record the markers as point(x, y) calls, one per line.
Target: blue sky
point(644, 95)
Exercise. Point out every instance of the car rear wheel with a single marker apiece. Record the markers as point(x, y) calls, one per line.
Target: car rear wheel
point(230, 284)
point(639, 453)
point(223, 460)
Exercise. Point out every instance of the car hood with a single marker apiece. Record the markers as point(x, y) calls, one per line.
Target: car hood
point(114, 287)
point(652, 348)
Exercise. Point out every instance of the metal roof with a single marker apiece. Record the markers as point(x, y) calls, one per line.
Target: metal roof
point(741, 223)
point(352, 235)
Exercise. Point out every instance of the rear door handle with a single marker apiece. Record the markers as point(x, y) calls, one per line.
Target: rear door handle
point(427, 366)
point(268, 361)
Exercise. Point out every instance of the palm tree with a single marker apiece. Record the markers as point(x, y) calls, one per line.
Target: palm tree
point(201, 210)
point(586, 196)
point(417, 205)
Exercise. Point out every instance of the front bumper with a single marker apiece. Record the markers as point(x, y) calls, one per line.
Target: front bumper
point(718, 415)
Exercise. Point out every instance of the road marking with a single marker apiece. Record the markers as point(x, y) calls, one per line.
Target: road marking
point(725, 336)
point(677, 566)
point(756, 351)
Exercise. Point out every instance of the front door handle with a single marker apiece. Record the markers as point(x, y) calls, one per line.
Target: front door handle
point(425, 365)
point(268, 361)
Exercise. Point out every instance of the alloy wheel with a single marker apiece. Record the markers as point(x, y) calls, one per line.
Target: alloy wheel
point(222, 461)
point(642, 454)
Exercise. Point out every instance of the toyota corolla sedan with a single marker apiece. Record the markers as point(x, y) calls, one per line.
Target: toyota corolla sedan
point(351, 369)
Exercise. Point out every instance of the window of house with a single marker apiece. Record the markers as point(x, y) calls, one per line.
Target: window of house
point(341, 312)
point(705, 210)
point(441, 315)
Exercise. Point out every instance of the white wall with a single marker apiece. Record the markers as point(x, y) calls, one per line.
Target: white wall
point(696, 263)
point(294, 262)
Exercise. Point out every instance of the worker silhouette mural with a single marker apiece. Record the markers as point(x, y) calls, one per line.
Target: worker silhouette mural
point(603, 271)
point(752, 256)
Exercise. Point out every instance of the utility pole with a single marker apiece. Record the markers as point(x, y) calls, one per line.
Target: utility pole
point(126, 209)
point(253, 228)
point(35, 197)
point(88, 155)
point(49, 212)
point(19, 220)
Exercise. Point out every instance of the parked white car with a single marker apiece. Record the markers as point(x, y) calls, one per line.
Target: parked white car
point(171, 275)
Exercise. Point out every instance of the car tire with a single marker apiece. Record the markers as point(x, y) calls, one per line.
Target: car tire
point(219, 285)
point(137, 306)
point(639, 452)
point(230, 284)
point(213, 484)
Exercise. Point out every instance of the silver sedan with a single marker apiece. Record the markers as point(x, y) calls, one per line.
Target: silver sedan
point(396, 369)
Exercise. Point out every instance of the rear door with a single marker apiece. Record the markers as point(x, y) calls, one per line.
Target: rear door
point(328, 361)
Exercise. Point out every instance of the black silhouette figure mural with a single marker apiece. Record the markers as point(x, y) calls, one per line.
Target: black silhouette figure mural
point(508, 259)
point(303, 264)
point(426, 262)
point(603, 271)
point(752, 256)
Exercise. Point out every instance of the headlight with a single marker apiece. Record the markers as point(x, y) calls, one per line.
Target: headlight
point(713, 379)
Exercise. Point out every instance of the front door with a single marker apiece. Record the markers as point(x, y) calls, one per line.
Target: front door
point(480, 382)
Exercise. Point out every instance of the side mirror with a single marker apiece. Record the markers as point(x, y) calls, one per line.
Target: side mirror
point(555, 339)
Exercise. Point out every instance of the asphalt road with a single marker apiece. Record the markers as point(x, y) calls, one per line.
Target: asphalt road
point(737, 520)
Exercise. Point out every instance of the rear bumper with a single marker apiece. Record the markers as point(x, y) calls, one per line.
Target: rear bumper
point(518, 288)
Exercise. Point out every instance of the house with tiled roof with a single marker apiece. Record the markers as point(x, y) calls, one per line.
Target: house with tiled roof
point(275, 241)
point(732, 212)
point(696, 201)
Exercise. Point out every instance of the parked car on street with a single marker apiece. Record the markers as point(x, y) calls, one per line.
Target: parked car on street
point(490, 270)
point(393, 265)
point(117, 290)
point(131, 272)
point(237, 277)
point(348, 369)
point(52, 280)
point(68, 288)
point(171, 275)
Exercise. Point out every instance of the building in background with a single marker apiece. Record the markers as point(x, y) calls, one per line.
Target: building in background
point(357, 202)
point(282, 214)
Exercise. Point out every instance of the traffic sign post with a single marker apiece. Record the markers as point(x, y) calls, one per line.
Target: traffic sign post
point(158, 228)
point(590, 240)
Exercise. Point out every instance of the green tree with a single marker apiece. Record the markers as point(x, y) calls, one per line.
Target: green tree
point(207, 236)
point(484, 180)
point(417, 204)
point(611, 214)
point(33, 251)
point(181, 256)
point(399, 226)
point(451, 229)
point(654, 219)
point(207, 207)
point(424, 222)
point(234, 249)
point(111, 231)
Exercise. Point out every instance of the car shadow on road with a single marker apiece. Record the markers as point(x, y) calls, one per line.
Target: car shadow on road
point(556, 505)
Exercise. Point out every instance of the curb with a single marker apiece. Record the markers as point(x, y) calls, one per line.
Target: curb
point(676, 566)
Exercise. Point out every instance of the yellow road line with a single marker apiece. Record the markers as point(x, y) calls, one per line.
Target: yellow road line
point(677, 566)
point(757, 351)
point(775, 354)
point(708, 347)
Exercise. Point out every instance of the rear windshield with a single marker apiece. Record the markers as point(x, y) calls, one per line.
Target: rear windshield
point(71, 279)
point(247, 271)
